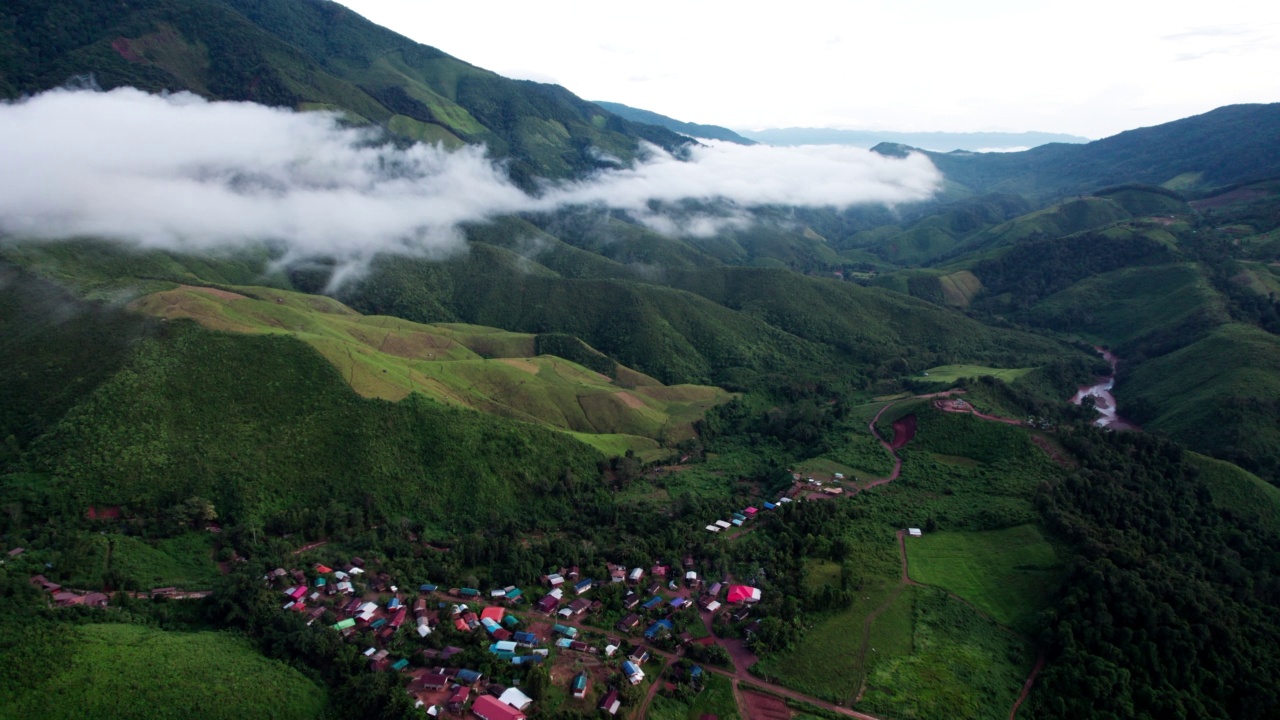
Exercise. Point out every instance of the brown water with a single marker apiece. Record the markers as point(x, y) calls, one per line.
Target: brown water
point(1104, 401)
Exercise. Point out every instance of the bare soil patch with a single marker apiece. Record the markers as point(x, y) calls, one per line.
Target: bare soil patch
point(629, 400)
point(519, 364)
point(765, 707)
point(904, 428)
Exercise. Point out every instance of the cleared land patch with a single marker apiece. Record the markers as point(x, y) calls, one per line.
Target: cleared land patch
point(1009, 574)
point(952, 373)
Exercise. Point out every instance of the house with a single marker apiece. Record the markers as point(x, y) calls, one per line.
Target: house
point(583, 586)
point(636, 574)
point(653, 588)
point(434, 681)
point(739, 516)
point(609, 703)
point(658, 571)
point(633, 672)
point(525, 639)
point(45, 583)
point(492, 613)
point(630, 601)
point(628, 623)
point(712, 606)
point(617, 574)
point(743, 594)
point(579, 685)
point(658, 628)
point(466, 677)
point(579, 606)
point(769, 506)
point(715, 589)
point(691, 578)
point(678, 602)
point(459, 698)
point(547, 604)
point(723, 524)
point(503, 646)
point(515, 699)
point(554, 580)
point(652, 602)
point(565, 630)
point(713, 528)
point(750, 512)
point(639, 655)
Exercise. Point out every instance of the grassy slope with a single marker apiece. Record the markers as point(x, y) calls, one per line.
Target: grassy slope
point(1240, 491)
point(113, 671)
point(1124, 308)
point(1218, 394)
point(961, 665)
point(262, 425)
point(1008, 573)
point(469, 366)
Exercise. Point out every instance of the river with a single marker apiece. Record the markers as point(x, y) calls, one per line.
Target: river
point(1104, 401)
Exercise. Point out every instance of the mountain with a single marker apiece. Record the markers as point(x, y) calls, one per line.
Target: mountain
point(1233, 144)
point(973, 141)
point(694, 130)
point(313, 54)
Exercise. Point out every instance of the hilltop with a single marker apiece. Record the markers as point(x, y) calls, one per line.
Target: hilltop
point(313, 56)
point(693, 130)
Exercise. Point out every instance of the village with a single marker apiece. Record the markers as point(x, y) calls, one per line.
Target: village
point(595, 667)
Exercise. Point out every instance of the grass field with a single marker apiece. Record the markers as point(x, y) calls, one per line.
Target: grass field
point(1008, 574)
point(826, 663)
point(467, 365)
point(715, 699)
point(819, 572)
point(129, 671)
point(961, 666)
point(892, 630)
point(952, 373)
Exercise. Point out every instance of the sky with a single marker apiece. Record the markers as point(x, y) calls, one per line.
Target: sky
point(1084, 67)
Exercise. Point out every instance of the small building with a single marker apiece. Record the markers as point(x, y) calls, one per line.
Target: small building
point(630, 601)
point(610, 703)
point(434, 681)
point(713, 528)
point(743, 594)
point(628, 623)
point(652, 602)
point(633, 672)
point(579, 686)
point(639, 655)
point(715, 589)
point(723, 524)
point(547, 604)
point(658, 628)
point(554, 580)
point(636, 574)
point(516, 699)
point(914, 532)
point(459, 698)
point(583, 586)
point(525, 639)
point(691, 578)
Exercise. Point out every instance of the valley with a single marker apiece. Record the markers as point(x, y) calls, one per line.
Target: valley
point(623, 424)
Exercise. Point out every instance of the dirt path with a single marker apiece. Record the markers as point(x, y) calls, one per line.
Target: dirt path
point(653, 688)
point(310, 546)
point(1026, 689)
point(897, 461)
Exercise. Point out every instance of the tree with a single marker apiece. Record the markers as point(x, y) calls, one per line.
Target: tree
point(537, 682)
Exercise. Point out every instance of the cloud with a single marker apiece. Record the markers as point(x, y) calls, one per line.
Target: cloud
point(181, 172)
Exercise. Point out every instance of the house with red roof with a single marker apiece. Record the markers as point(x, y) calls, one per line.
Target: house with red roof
point(488, 707)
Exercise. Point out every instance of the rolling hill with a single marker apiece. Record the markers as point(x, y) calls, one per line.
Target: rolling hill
point(693, 130)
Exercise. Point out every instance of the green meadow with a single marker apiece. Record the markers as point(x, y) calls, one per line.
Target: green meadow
point(1010, 574)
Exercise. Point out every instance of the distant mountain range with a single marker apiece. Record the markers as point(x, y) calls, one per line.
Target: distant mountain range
point(696, 130)
point(943, 141)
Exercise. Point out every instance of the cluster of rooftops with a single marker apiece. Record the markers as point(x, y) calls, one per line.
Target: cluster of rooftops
point(738, 519)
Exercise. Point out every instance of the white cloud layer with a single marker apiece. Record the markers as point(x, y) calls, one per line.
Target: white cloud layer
point(181, 172)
